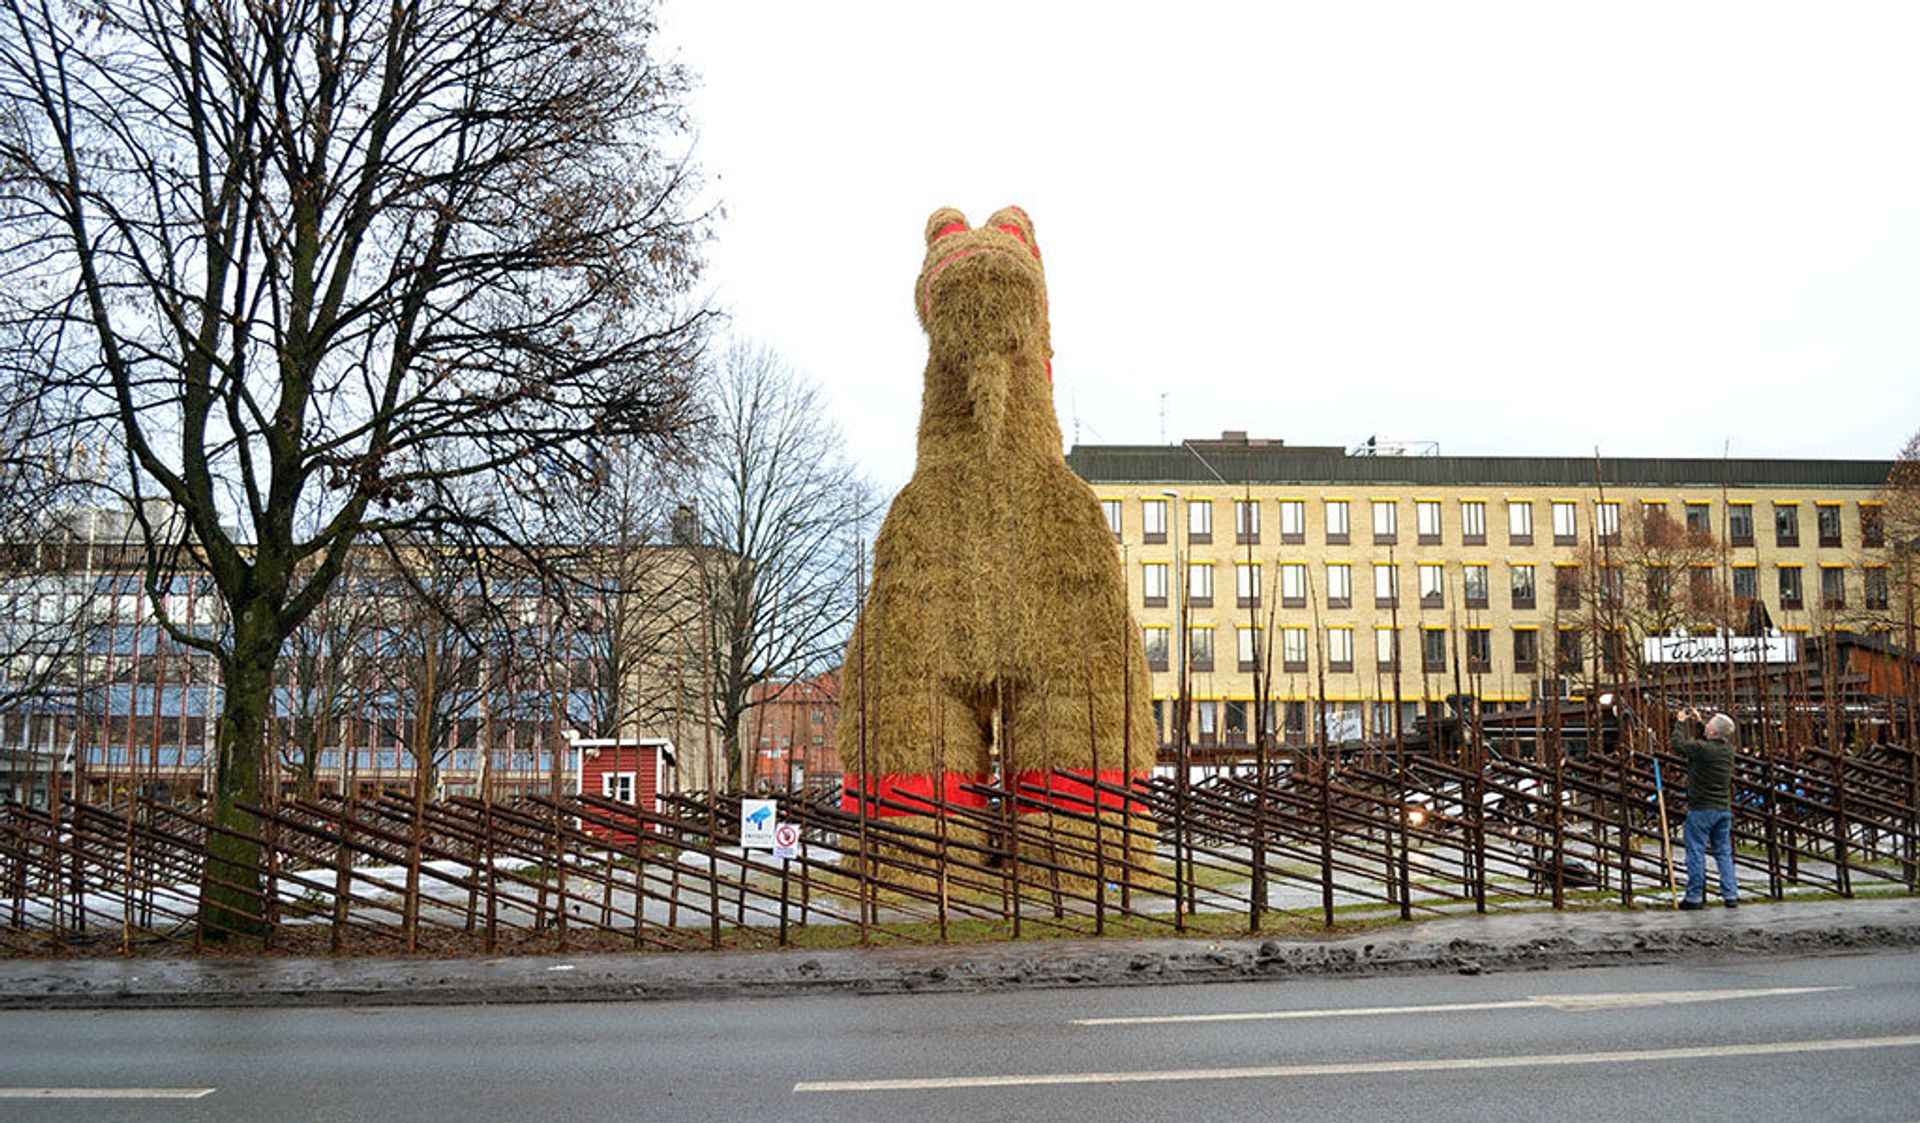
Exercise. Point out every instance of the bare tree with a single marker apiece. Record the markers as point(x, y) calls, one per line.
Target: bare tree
point(1900, 522)
point(433, 659)
point(49, 524)
point(337, 269)
point(320, 667)
point(1900, 530)
point(632, 604)
point(1900, 515)
point(781, 514)
point(1654, 576)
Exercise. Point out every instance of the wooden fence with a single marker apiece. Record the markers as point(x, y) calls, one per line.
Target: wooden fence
point(1304, 838)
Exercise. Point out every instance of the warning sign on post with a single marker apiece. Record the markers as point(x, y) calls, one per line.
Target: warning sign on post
point(786, 840)
point(756, 824)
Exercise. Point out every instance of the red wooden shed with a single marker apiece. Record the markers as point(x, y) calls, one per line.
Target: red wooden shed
point(626, 771)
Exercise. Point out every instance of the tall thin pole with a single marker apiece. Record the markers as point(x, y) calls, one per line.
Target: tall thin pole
point(868, 788)
point(1180, 736)
point(1400, 745)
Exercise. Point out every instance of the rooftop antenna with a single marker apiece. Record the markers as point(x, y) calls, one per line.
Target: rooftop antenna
point(1163, 418)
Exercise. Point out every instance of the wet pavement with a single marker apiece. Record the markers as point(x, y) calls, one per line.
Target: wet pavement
point(1471, 944)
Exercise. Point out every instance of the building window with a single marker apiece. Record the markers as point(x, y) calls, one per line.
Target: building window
point(1876, 587)
point(1246, 521)
point(1340, 649)
point(1338, 525)
point(1826, 518)
point(1740, 524)
point(1380, 718)
point(1566, 587)
point(1247, 648)
point(1473, 585)
point(1606, 519)
point(1872, 527)
point(1111, 508)
point(1153, 584)
point(1426, 514)
point(1200, 584)
point(1473, 522)
point(1267, 715)
point(1386, 585)
point(618, 786)
point(1479, 650)
point(1613, 650)
point(1153, 521)
point(1746, 583)
point(1155, 639)
point(1833, 586)
point(1293, 585)
point(1566, 524)
point(1791, 594)
point(1699, 518)
point(1433, 584)
point(1566, 654)
point(1200, 521)
point(1386, 522)
point(1659, 586)
point(1236, 722)
point(1519, 522)
point(1293, 521)
point(1339, 585)
point(1656, 529)
point(1296, 721)
point(1206, 715)
point(1200, 648)
point(1386, 648)
point(1613, 585)
point(1526, 651)
point(1293, 649)
point(1246, 584)
point(1522, 585)
point(1786, 524)
point(1700, 588)
point(1433, 649)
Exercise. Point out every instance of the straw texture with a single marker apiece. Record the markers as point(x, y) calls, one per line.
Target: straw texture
point(995, 638)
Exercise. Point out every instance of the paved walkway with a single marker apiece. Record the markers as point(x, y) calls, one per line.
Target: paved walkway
point(1470, 944)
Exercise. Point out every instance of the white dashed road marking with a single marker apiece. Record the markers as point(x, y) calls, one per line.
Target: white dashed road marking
point(1624, 1001)
point(1364, 1068)
point(104, 1093)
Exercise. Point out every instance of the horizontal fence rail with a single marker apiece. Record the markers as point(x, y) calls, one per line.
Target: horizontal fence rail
point(1298, 837)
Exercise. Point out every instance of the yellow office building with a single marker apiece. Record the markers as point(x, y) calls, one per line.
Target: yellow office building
point(1292, 574)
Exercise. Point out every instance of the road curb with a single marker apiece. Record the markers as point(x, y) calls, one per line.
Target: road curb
point(1466, 945)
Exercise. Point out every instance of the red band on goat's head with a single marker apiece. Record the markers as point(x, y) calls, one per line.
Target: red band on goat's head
point(945, 222)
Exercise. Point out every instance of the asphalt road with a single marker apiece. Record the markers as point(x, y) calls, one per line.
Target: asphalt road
point(1829, 1038)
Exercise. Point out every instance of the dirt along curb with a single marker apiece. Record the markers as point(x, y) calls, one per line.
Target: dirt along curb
point(1465, 944)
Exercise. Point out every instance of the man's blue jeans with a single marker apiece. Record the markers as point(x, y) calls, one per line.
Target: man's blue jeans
point(1704, 829)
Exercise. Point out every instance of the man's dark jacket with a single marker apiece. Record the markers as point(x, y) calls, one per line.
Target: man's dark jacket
point(1709, 774)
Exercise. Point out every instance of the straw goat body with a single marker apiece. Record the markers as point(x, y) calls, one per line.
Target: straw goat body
point(995, 639)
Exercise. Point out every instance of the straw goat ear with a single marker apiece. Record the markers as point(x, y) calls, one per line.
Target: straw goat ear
point(1014, 221)
point(946, 220)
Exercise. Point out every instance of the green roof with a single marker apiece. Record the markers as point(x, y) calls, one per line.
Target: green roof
point(1236, 463)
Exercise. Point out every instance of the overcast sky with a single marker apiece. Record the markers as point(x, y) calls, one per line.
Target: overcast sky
point(1658, 229)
